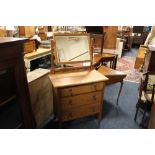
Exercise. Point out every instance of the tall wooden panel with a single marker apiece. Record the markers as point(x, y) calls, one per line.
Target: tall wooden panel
point(110, 37)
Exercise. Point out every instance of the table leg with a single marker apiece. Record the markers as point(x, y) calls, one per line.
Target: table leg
point(28, 66)
point(60, 125)
point(119, 92)
point(99, 117)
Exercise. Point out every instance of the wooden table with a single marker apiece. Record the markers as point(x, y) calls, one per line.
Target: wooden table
point(41, 52)
point(78, 94)
point(113, 76)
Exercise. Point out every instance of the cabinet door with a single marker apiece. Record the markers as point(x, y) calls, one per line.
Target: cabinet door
point(10, 114)
point(15, 105)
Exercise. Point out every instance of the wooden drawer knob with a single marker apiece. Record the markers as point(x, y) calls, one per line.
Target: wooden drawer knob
point(93, 109)
point(94, 97)
point(70, 102)
point(70, 115)
point(70, 90)
point(95, 86)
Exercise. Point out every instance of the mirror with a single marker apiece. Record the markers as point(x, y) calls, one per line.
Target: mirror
point(72, 48)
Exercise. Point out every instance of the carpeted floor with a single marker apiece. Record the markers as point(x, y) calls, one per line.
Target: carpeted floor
point(114, 117)
point(126, 65)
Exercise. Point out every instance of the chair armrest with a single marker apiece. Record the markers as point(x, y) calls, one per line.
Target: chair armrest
point(142, 77)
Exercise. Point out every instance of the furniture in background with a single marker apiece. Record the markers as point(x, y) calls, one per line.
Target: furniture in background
point(15, 105)
point(41, 95)
point(126, 37)
point(42, 33)
point(97, 37)
point(143, 52)
point(104, 59)
point(119, 47)
point(149, 60)
point(113, 76)
point(111, 58)
point(3, 33)
point(110, 37)
point(98, 42)
point(139, 35)
point(29, 46)
point(146, 95)
point(152, 118)
point(26, 31)
point(99, 56)
point(139, 62)
point(30, 57)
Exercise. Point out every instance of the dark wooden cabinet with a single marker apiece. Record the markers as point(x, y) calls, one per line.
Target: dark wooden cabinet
point(149, 62)
point(15, 106)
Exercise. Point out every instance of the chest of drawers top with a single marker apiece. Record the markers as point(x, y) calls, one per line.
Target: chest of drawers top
point(76, 78)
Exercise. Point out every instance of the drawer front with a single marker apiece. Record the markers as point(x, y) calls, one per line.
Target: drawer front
point(79, 112)
point(70, 91)
point(79, 100)
point(29, 46)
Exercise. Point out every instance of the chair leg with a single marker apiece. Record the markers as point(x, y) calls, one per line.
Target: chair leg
point(144, 114)
point(137, 109)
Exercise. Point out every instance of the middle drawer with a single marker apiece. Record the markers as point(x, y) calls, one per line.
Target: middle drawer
point(83, 99)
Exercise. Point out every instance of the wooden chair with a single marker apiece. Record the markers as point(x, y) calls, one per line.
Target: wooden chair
point(146, 95)
point(111, 58)
point(106, 59)
point(98, 41)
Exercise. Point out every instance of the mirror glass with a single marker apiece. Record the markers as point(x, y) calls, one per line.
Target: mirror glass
point(72, 48)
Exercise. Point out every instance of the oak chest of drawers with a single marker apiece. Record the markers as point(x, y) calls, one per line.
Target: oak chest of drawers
point(78, 94)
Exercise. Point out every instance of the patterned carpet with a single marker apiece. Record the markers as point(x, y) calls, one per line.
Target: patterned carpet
point(126, 65)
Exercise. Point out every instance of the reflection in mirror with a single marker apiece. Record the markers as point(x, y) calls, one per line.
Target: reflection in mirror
point(72, 48)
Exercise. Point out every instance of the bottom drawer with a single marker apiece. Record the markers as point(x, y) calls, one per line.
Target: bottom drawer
point(79, 112)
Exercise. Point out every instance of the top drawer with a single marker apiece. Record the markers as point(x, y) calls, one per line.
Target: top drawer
point(70, 91)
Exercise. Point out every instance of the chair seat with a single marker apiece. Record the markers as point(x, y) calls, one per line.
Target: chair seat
point(146, 94)
point(151, 81)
